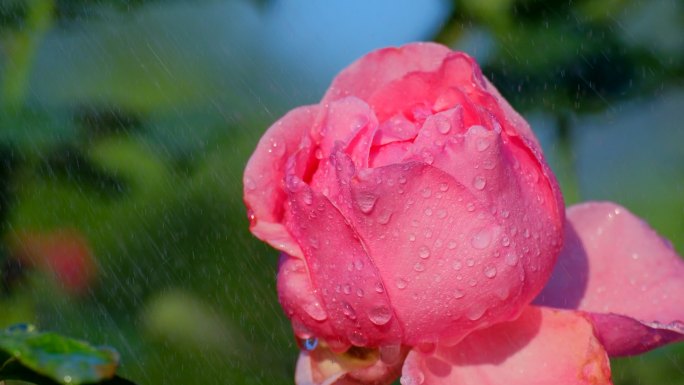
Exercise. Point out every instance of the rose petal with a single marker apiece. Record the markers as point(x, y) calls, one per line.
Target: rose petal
point(351, 123)
point(341, 270)
point(380, 67)
point(617, 268)
point(300, 301)
point(264, 174)
point(543, 346)
point(452, 262)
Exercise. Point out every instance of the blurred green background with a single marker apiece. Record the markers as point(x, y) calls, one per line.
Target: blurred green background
point(125, 126)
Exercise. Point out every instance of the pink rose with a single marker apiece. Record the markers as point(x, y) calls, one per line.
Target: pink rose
point(418, 220)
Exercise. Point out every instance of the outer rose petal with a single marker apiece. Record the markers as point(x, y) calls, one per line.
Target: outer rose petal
point(341, 269)
point(630, 279)
point(265, 172)
point(380, 67)
point(543, 346)
point(452, 261)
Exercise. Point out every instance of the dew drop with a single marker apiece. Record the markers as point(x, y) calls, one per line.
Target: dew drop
point(318, 154)
point(412, 237)
point(357, 338)
point(379, 288)
point(490, 272)
point(443, 125)
point(452, 244)
point(475, 313)
point(482, 144)
point(416, 378)
point(315, 311)
point(402, 180)
point(479, 182)
point(457, 265)
point(250, 185)
point(424, 252)
point(401, 283)
point(346, 289)
point(441, 213)
point(505, 241)
point(443, 186)
point(252, 217)
point(511, 259)
point(419, 267)
point(380, 315)
point(310, 343)
point(348, 310)
point(470, 262)
point(482, 239)
point(428, 212)
point(359, 292)
point(426, 192)
point(358, 265)
point(426, 347)
point(366, 202)
point(458, 293)
point(384, 217)
point(470, 207)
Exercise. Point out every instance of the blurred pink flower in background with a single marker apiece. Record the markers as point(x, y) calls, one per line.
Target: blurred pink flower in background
point(63, 253)
point(418, 221)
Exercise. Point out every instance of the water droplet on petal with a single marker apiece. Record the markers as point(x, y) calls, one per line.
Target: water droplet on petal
point(481, 239)
point(426, 192)
point(401, 283)
point(357, 338)
point(419, 267)
point(359, 292)
point(379, 288)
point(482, 144)
point(315, 311)
point(443, 186)
point(458, 293)
point(380, 315)
point(366, 201)
point(490, 272)
point(475, 313)
point(443, 125)
point(457, 265)
point(424, 252)
point(470, 262)
point(252, 217)
point(348, 310)
point(358, 264)
point(250, 185)
point(511, 259)
point(310, 343)
point(384, 217)
point(452, 245)
point(505, 241)
point(479, 182)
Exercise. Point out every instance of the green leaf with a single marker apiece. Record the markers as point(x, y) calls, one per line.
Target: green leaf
point(64, 360)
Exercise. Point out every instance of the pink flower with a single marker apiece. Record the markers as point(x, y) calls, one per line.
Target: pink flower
point(418, 221)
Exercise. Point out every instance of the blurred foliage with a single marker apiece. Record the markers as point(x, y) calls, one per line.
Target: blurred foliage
point(137, 157)
point(50, 359)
